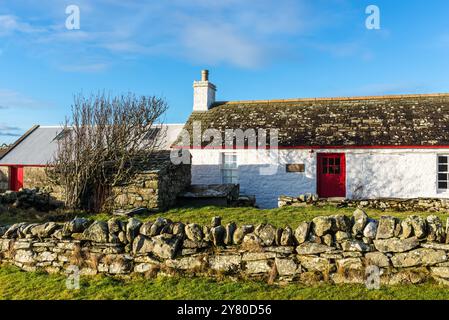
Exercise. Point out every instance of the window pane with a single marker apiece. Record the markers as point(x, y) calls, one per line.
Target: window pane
point(442, 168)
point(442, 176)
point(331, 169)
point(331, 161)
point(442, 159)
point(337, 170)
point(337, 161)
point(442, 185)
point(325, 169)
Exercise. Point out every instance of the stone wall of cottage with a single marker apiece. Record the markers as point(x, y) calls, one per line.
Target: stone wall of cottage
point(155, 190)
point(4, 179)
point(336, 249)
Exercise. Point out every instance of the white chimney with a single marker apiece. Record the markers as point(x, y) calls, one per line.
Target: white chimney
point(203, 93)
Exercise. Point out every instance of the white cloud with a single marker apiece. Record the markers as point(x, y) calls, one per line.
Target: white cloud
point(12, 99)
point(10, 24)
point(93, 67)
point(243, 33)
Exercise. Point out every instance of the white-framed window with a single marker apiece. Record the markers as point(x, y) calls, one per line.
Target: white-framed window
point(443, 172)
point(230, 169)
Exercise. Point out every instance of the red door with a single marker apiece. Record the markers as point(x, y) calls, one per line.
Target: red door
point(15, 178)
point(331, 175)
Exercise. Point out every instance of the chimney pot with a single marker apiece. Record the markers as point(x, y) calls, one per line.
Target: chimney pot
point(205, 75)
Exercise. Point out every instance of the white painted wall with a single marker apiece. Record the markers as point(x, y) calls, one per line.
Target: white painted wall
point(374, 173)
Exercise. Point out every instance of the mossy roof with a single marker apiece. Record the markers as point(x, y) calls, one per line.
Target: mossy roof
point(412, 120)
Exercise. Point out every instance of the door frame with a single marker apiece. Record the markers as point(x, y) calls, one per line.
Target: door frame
point(319, 156)
point(15, 174)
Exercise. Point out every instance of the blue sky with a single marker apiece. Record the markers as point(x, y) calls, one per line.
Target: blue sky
point(262, 49)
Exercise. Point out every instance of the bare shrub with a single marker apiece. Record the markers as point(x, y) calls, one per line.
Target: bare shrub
point(102, 145)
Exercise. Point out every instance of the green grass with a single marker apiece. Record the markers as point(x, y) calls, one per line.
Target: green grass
point(16, 284)
point(279, 217)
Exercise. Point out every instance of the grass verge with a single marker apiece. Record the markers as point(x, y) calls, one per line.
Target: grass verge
point(16, 284)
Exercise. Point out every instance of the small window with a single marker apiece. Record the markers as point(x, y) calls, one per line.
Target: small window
point(443, 172)
point(230, 168)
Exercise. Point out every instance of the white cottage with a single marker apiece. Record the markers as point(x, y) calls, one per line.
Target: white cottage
point(358, 147)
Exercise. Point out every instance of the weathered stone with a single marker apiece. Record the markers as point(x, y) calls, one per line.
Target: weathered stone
point(97, 232)
point(359, 219)
point(281, 250)
point(342, 223)
point(327, 239)
point(190, 244)
point(309, 248)
point(178, 228)
point(132, 229)
point(225, 263)
point(278, 236)
point(370, 230)
point(396, 245)
point(258, 267)
point(77, 225)
point(408, 277)
point(44, 230)
point(267, 233)
point(421, 256)
point(145, 228)
point(11, 233)
point(315, 264)
point(302, 232)
point(377, 259)
point(164, 246)
point(433, 245)
point(407, 228)
point(341, 236)
point(207, 234)
point(350, 264)
point(253, 256)
point(121, 236)
point(115, 225)
point(386, 227)
point(168, 227)
point(120, 265)
point(217, 235)
point(24, 256)
point(351, 254)
point(323, 225)
point(185, 263)
point(240, 233)
point(251, 241)
point(419, 226)
point(230, 229)
point(46, 256)
point(157, 226)
point(216, 221)
point(355, 245)
point(286, 266)
point(143, 267)
point(435, 229)
point(194, 232)
point(442, 272)
point(287, 237)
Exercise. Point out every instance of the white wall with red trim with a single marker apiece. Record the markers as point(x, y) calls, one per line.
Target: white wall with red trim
point(370, 173)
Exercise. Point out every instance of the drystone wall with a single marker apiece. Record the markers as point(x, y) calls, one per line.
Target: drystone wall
point(338, 249)
point(155, 190)
point(386, 204)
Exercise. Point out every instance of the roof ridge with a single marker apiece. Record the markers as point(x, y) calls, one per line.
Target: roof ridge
point(355, 98)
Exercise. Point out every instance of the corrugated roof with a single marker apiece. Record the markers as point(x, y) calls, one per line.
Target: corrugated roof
point(38, 147)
